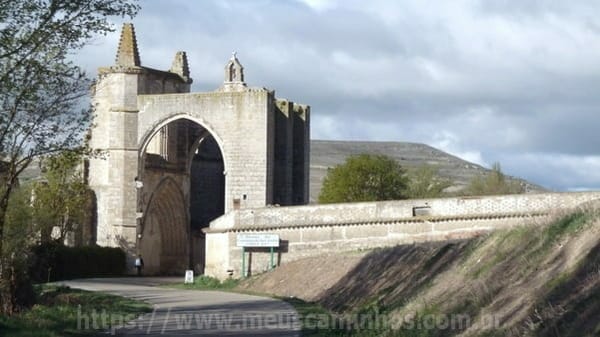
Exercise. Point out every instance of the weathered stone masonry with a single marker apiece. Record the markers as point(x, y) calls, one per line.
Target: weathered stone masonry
point(159, 139)
point(313, 230)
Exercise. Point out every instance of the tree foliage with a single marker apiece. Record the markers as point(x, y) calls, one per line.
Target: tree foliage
point(364, 177)
point(493, 183)
point(60, 200)
point(41, 88)
point(425, 182)
point(16, 287)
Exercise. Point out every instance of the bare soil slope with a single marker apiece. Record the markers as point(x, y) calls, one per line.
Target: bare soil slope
point(318, 274)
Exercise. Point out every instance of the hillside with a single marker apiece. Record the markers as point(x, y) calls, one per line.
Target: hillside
point(539, 280)
point(326, 154)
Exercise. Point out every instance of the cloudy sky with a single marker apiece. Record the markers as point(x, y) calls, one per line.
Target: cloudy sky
point(515, 82)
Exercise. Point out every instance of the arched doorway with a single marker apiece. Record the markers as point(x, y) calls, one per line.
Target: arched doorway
point(207, 195)
point(165, 231)
point(182, 188)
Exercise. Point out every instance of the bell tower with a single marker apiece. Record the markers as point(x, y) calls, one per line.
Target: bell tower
point(234, 75)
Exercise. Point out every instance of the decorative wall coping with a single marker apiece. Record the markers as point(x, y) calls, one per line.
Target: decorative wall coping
point(402, 211)
point(420, 219)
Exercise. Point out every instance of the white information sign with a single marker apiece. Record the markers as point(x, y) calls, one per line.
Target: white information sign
point(189, 276)
point(258, 240)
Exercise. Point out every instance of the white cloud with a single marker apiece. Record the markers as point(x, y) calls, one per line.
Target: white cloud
point(558, 171)
point(320, 5)
point(514, 82)
point(451, 143)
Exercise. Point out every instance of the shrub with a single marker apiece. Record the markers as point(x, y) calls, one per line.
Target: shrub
point(364, 177)
point(53, 262)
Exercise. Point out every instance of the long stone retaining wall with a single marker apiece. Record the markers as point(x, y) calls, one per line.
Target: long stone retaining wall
point(317, 229)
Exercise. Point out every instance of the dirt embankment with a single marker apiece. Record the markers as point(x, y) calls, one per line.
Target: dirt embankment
point(540, 280)
point(308, 279)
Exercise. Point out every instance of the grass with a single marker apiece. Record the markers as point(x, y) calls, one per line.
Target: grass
point(569, 224)
point(529, 243)
point(488, 252)
point(207, 283)
point(514, 253)
point(62, 311)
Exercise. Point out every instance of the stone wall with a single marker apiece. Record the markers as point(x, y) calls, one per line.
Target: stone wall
point(301, 154)
point(291, 153)
point(312, 230)
point(238, 123)
point(135, 103)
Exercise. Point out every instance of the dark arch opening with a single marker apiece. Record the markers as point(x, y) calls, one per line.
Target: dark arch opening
point(207, 194)
point(189, 155)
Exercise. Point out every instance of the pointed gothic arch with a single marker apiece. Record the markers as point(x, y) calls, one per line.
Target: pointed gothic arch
point(193, 162)
point(165, 231)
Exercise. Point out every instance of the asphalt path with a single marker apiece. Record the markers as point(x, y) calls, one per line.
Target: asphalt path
point(188, 312)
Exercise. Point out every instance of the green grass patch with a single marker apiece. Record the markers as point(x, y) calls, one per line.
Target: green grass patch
point(497, 248)
point(559, 280)
point(530, 244)
point(569, 224)
point(62, 311)
point(207, 283)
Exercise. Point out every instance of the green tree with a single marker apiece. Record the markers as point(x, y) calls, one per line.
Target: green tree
point(60, 200)
point(18, 235)
point(364, 177)
point(493, 183)
point(425, 182)
point(41, 89)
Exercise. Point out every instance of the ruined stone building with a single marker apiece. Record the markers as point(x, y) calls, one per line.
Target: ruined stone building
point(173, 160)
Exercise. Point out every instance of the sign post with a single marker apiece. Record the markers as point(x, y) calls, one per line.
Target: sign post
point(257, 241)
point(243, 261)
point(189, 277)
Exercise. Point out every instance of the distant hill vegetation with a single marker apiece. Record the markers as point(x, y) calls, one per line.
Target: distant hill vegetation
point(325, 154)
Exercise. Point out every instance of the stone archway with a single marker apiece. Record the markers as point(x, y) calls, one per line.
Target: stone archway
point(263, 143)
point(165, 233)
point(182, 188)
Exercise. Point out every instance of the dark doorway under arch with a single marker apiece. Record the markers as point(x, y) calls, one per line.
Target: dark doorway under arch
point(188, 156)
point(207, 195)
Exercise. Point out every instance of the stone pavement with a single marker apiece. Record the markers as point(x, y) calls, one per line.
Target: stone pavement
point(190, 312)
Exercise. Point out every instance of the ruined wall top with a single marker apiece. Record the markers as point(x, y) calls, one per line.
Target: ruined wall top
point(180, 66)
point(128, 61)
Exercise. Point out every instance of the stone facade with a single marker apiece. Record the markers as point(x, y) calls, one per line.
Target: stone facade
point(313, 230)
point(160, 143)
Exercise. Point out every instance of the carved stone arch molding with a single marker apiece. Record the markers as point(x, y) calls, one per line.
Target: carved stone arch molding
point(164, 244)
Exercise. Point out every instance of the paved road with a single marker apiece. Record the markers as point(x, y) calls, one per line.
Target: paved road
point(191, 312)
